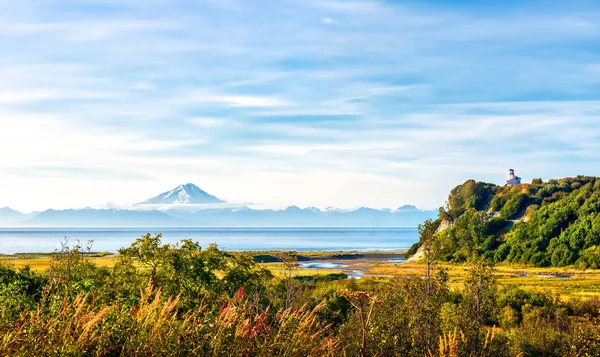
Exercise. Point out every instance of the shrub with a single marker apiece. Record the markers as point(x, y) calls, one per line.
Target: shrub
point(513, 206)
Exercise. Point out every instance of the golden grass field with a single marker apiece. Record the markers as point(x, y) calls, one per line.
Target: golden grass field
point(581, 283)
point(43, 263)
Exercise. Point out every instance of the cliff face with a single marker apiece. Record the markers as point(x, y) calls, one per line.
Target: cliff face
point(444, 224)
point(556, 223)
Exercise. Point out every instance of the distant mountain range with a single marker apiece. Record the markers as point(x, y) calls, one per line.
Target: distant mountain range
point(189, 206)
point(10, 217)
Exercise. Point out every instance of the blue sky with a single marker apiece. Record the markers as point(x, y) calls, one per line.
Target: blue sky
point(324, 103)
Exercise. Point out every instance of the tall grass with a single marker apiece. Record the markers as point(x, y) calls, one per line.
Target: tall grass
point(76, 327)
point(450, 345)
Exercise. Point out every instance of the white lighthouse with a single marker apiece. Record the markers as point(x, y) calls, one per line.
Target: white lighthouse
point(512, 179)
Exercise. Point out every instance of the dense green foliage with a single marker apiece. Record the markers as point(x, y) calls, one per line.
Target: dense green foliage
point(181, 300)
point(470, 195)
point(544, 224)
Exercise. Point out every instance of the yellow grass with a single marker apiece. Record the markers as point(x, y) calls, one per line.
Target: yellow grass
point(583, 283)
point(279, 270)
point(43, 263)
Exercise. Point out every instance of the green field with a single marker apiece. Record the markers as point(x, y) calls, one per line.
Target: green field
point(579, 283)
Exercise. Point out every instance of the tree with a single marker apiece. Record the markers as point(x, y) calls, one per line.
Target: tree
point(479, 302)
point(149, 251)
point(513, 206)
point(427, 232)
point(71, 270)
point(192, 271)
point(363, 302)
point(290, 264)
point(537, 181)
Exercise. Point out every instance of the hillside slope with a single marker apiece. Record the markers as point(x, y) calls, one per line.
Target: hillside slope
point(556, 223)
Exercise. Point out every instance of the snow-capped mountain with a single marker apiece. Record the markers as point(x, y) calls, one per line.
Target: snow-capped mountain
point(189, 206)
point(183, 194)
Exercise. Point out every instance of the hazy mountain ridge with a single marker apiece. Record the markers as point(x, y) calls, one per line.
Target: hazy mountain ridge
point(189, 206)
point(89, 217)
point(245, 217)
point(10, 217)
point(294, 216)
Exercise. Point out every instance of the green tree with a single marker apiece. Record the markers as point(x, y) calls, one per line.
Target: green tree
point(72, 272)
point(290, 265)
point(149, 251)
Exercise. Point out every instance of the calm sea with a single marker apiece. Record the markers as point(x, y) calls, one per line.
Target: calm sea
point(233, 239)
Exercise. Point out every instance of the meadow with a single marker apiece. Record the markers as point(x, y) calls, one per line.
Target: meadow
point(157, 299)
point(565, 282)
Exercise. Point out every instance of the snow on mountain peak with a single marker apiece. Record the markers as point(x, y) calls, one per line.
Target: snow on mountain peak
point(183, 194)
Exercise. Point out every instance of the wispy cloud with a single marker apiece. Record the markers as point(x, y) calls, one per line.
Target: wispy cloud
point(343, 103)
point(209, 122)
point(353, 6)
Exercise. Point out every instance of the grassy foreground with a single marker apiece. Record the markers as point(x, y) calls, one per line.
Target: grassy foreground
point(179, 300)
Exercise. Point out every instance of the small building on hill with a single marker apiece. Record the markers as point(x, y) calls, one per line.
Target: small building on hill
point(512, 179)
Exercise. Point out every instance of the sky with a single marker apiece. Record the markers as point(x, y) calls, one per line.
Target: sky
point(292, 102)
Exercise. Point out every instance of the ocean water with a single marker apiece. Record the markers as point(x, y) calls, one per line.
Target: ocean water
point(233, 239)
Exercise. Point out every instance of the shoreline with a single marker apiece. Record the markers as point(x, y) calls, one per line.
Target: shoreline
point(303, 255)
